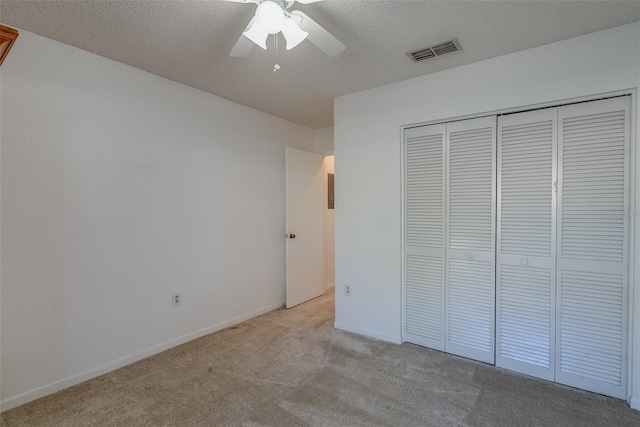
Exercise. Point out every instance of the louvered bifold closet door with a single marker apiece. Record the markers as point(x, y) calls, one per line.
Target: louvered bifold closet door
point(471, 185)
point(424, 235)
point(593, 255)
point(525, 276)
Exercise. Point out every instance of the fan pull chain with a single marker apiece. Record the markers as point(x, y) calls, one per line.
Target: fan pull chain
point(276, 67)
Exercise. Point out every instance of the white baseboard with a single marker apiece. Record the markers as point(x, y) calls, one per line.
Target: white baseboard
point(78, 378)
point(368, 332)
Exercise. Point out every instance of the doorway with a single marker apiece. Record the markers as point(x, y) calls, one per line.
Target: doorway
point(310, 253)
point(329, 224)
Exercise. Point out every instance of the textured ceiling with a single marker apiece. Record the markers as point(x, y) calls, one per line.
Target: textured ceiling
point(189, 42)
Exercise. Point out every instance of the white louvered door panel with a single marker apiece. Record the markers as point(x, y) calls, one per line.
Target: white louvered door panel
point(424, 236)
point(525, 277)
point(470, 252)
point(593, 231)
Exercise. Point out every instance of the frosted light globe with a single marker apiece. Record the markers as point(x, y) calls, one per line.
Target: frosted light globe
point(270, 16)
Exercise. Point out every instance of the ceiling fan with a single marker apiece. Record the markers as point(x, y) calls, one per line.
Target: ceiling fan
point(274, 16)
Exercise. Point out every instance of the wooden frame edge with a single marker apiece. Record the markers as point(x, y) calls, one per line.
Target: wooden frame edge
point(8, 37)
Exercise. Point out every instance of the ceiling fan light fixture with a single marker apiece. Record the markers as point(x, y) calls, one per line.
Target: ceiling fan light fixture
point(292, 33)
point(270, 16)
point(257, 34)
point(274, 16)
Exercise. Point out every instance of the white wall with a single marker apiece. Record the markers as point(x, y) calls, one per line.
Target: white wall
point(329, 231)
point(119, 188)
point(1, 241)
point(367, 142)
point(324, 140)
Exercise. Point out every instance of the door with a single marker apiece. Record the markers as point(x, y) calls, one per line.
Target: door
point(470, 230)
point(525, 277)
point(304, 226)
point(561, 288)
point(424, 235)
point(449, 260)
point(593, 239)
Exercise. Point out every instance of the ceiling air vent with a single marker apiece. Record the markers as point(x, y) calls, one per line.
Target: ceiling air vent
point(436, 50)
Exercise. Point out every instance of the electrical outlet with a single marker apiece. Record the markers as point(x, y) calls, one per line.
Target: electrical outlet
point(176, 299)
point(347, 289)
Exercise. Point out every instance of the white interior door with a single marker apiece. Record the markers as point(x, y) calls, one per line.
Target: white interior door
point(304, 226)
point(424, 235)
point(525, 277)
point(470, 229)
point(593, 254)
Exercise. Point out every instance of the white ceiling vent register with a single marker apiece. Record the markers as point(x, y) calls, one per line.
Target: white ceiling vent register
point(435, 50)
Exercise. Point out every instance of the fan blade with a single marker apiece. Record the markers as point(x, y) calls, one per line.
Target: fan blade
point(308, 1)
point(243, 46)
point(318, 35)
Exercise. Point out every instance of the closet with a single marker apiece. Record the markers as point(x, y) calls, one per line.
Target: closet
point(450, 196)
point(516, 241)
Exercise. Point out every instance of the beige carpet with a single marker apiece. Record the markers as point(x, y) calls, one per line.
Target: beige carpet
point(291, 368)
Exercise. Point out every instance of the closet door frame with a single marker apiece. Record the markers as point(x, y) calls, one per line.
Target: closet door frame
point(633, 340)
